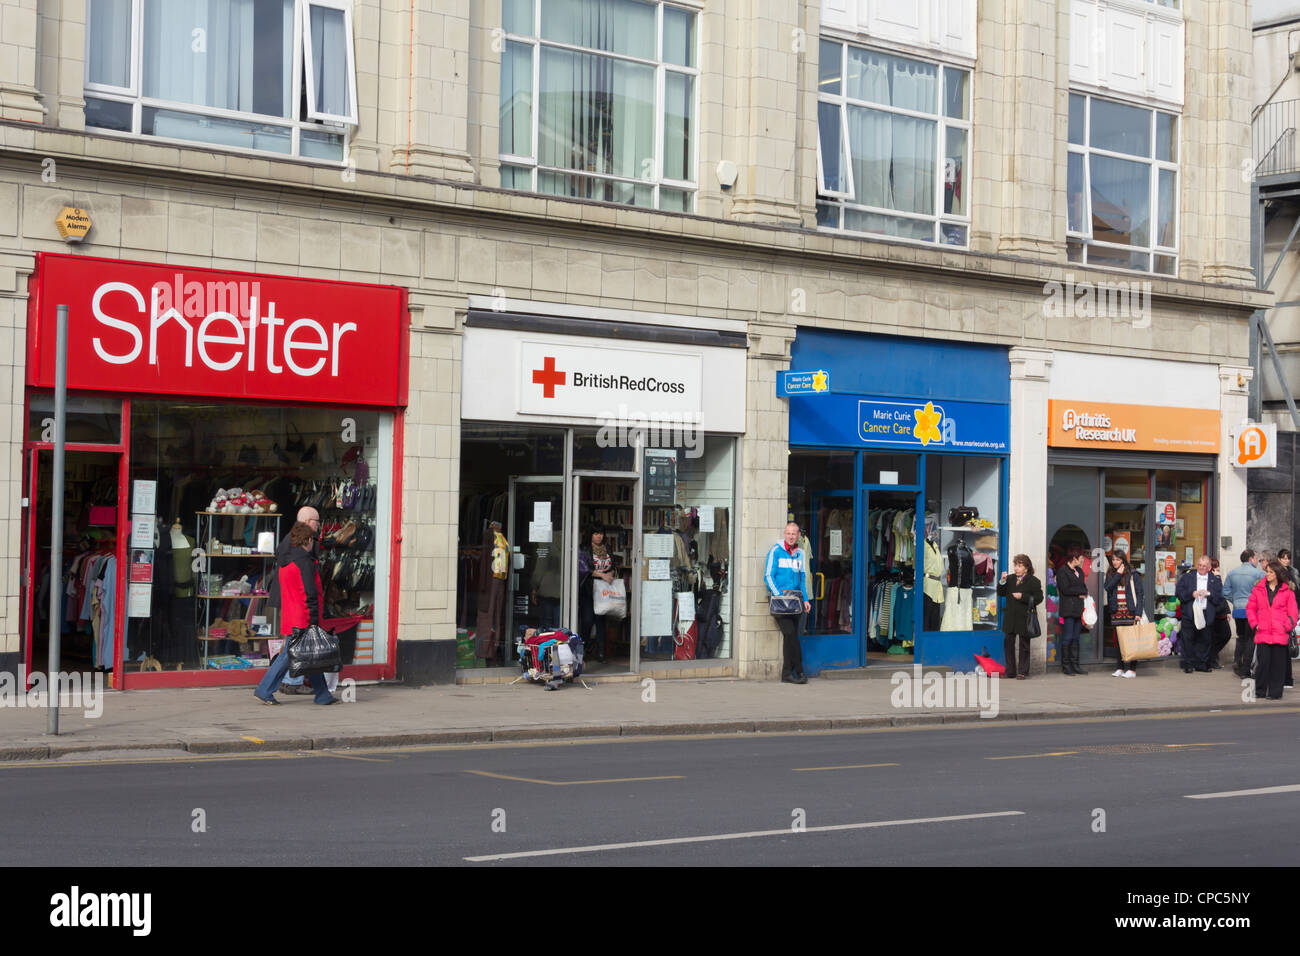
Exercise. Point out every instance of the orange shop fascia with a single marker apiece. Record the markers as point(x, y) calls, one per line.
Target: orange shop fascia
point(1112, 426)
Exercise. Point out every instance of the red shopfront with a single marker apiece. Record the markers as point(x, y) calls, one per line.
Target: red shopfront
point(204, 408)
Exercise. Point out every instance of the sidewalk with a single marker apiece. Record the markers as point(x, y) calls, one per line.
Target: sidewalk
point(229, 720)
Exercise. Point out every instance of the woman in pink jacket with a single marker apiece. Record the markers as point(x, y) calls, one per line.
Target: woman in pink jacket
point(1272, 611)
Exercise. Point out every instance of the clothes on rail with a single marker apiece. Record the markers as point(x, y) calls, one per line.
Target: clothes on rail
point(890, 535)
point(892, 618)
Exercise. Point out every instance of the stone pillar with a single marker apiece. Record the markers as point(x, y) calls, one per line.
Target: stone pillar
point(1234, 396)
point(424, 87)
point(762, 494)
point(20, 97)
point(364, 150)
point(1026, 519)
point(1019, 161)
point(763, 127)
point(1225, 108)
point(15, 270)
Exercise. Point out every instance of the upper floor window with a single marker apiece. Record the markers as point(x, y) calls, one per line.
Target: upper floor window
point(893, 145)
point(271, 75)
point(1122, 186)
point(598, 101)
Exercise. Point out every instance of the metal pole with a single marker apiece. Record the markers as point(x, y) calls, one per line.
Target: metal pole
point(54, 666)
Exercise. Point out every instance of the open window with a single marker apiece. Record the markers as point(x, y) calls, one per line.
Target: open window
point(330, 71)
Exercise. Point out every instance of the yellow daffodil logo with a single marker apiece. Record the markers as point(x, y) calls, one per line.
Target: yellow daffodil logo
point(927, 424)
point(819, 381)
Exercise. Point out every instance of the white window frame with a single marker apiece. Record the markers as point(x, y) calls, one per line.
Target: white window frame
point(309, 66)
point(341, 126)
point(844, 200)
point(1084, 237)
point(690, 187)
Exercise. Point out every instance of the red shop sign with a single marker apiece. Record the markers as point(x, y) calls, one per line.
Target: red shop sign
point(178, 330)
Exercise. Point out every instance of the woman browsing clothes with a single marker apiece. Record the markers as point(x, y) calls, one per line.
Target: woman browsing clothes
point(1124, 599)
point(595, 563)
point(1024, 593)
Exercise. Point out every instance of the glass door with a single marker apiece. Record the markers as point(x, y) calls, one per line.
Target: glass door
point(537, 549)
point(829, 636)
point(606, 531)
point(1124, 529)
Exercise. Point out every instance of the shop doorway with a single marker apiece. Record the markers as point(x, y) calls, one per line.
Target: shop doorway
point(610, 504)
point(890, 560)
point(83, 569)
point(829, 636)
point(1124, 529)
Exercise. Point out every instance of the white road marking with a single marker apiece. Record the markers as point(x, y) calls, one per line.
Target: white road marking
point(786, 831)
point(1290, 788)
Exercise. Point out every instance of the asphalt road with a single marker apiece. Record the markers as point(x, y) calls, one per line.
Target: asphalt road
point(1101, 792)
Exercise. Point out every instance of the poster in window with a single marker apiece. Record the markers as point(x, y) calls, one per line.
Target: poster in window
point(1189, 492)
point(660, 476)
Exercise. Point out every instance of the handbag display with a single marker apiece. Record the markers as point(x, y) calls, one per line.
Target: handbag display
point(1138, 642)
point(1032, 627)
point(609, 598)
point(786, 604)
point(313, 650)
point(963, 515)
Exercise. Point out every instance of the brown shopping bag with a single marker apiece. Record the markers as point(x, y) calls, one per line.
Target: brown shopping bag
point(1139, 642)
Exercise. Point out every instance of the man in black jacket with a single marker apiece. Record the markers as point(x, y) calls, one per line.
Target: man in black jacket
point(1071, 588)
point(1200, 594)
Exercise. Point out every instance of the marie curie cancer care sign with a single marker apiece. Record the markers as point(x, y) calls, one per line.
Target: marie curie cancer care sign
point(933, 424)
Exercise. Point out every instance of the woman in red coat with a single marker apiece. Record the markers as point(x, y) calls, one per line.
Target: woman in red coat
point(300, 597)
point(1272, 611)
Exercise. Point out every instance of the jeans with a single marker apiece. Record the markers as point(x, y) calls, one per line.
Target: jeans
point(275, 674)
point(1071, 628)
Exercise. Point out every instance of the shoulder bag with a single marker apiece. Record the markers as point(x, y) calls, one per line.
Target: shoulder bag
point(1032, 627)
point(786, 604)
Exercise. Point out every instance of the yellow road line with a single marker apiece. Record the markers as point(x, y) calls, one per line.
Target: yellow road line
point(847, 766)
point(1054, 753)
point(1221, 743)
point(333, 753)
point(179, 758)
point(256, 740)
point(570, 783)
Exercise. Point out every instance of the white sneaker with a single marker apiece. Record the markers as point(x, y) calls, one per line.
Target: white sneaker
point(1128, 674)
point(1118, 673)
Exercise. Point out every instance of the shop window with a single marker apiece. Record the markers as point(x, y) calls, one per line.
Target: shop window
point(598, 101)
point(228, 74)
point(219, 486)
point(883, 468)
point(1188, 535)
point(686, 560)
point(595, 452)
point(88, 419)
point(490, 457)
point(1127, 483)
point(962, 496)
point(893, 145)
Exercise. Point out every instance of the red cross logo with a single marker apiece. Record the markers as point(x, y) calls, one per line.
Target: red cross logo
point(548, 377)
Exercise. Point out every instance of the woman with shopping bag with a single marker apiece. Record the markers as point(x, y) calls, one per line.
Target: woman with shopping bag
point(596, 569)
point(1124, 605)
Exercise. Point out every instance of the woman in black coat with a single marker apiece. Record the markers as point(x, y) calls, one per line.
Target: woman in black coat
point(1021, 590)
point(1072, 588)
point(1123, 601)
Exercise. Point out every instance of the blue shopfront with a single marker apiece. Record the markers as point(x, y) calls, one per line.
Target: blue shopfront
point(899, 456)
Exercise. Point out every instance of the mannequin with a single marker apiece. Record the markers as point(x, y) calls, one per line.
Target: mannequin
point(933, 583)
point(961, 579)
point(494, 567)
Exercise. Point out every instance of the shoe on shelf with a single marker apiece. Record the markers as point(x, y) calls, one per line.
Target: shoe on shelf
point(1118, 673)
point(1128, 674)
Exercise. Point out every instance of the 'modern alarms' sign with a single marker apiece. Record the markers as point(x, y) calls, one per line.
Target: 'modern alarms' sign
point(139, 328)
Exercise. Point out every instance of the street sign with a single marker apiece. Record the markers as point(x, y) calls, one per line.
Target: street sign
point(1255, 446)
point(816, 382)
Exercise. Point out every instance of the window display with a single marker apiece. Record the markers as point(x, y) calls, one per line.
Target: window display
point(962, 495)
point(216, 489)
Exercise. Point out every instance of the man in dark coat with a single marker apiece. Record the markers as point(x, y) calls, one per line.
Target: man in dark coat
point(1200, 595)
